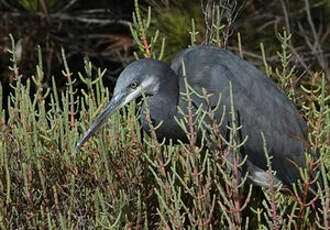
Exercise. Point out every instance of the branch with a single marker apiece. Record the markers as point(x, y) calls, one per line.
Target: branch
point(67, 6)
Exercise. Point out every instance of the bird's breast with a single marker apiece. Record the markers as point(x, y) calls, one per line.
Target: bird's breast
point(162, 116)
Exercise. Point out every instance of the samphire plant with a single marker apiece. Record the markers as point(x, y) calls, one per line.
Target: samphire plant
point(124, 179)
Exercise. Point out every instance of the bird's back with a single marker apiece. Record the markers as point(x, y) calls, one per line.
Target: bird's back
point(260, 105)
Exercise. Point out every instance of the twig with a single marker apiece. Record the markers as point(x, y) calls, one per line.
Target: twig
point(68, 5)
point(67, 73)
point(88, 20)
point(44, 6)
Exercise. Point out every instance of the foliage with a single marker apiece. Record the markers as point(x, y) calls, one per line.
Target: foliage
point(175, 23)
point(37, 5)
point(100, 30)
point(140, 33)
point(123, 179)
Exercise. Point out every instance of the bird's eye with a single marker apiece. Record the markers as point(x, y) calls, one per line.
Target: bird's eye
point(134, 85)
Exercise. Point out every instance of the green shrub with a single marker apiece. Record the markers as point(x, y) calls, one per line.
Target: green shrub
point(120, 180)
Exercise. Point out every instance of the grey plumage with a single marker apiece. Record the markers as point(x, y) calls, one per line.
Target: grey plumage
point(260, 105)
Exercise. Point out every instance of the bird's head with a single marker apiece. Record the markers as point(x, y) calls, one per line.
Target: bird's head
point(140, 77)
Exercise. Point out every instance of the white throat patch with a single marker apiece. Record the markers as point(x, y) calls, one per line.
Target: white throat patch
point(138, 91)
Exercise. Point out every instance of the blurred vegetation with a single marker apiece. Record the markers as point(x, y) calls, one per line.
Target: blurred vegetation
point(123, 179)
point(100, 31)
point(37, 6)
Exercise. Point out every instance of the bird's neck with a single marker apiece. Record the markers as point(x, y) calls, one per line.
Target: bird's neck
point(168, 94)
point(163, 108)
point(163, 105)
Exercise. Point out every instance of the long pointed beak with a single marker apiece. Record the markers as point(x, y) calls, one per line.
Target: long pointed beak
point(117, 102)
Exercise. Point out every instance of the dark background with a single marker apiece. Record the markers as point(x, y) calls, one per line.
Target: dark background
point(98, 30)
